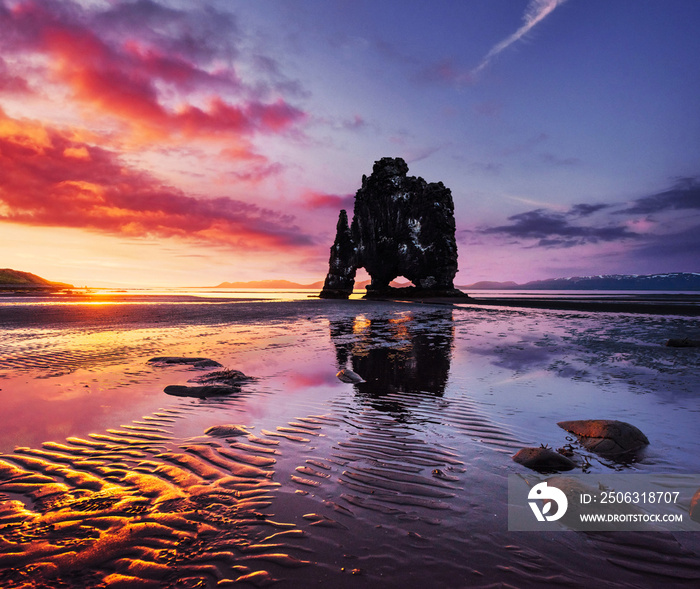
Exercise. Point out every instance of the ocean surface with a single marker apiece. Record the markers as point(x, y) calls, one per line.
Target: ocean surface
point(397, 481)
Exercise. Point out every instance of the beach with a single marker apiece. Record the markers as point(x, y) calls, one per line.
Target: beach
point(397, 481)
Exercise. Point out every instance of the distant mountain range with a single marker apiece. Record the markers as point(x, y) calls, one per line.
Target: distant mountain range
point(675, 281)
point(276, 284)
point(16, 279)
point(286, 284)
point(282, 284)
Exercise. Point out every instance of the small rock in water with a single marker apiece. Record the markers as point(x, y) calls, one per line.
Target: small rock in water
point(347, 375)
point(695, 507)
point(567, 450)
point(196, 362)
point(227, 430)
point(200, 392)
point(683, 343)
point(543, 459)
point(438, 474)
point(228, 377)
point(607, 437)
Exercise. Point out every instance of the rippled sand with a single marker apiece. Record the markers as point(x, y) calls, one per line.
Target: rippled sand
point(400, 481)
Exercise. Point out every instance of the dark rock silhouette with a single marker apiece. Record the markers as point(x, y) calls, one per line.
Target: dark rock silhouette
point(543, 459)
point(228, 377)
point(341, 266)
point(402, 226)
point(177, 360)
point(203, 391)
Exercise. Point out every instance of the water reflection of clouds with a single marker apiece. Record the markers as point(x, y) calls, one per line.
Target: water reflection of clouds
point(519, 358)
point(304, 380)
point(403, 352)
point(603, 348)
point(69, 404)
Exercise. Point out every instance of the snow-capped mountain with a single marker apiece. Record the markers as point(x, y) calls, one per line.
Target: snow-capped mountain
point(672, 281)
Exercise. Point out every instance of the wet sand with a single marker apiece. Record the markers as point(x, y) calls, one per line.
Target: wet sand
point(400, 481)
point(686, 305)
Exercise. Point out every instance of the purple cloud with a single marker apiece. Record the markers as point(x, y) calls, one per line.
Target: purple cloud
point(555, 229)
point(684, 195)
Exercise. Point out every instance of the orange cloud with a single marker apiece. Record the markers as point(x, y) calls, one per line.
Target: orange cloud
point(48, 178)
point(80, 153)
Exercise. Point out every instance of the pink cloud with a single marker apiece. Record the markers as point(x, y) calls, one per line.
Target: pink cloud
point(50, 178)
point(299, 380)
point(10, 83)
point(322, 200)
point(355, 123)
point(155, 93)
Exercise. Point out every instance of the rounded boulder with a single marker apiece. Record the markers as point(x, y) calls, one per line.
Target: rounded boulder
point(543, 459)
point(227, 430)
point(607, 437)
point(695, 507)
point(347, 375)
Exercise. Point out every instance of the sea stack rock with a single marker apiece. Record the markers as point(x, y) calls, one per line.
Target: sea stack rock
point(341, 272)
point(402, 226)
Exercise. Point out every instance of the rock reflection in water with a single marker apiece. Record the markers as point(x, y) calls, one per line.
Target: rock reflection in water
point(399, 353)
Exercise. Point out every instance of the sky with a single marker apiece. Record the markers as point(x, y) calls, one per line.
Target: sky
point(179, 143)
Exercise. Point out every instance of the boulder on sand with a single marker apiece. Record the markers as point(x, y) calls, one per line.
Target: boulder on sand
point(227, 377)
point(200, 392)
point(543, 459)
point(227, 430)
point(212, 384)
point(607, 437)
point(347, 375)
point(196, 362)
point(695, 507)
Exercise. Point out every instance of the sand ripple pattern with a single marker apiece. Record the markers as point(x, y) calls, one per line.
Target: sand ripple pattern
point(67, 361)
point(394, 471)
point(133, 507)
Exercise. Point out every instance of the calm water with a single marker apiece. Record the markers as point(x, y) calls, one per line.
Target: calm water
point(399, 481)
